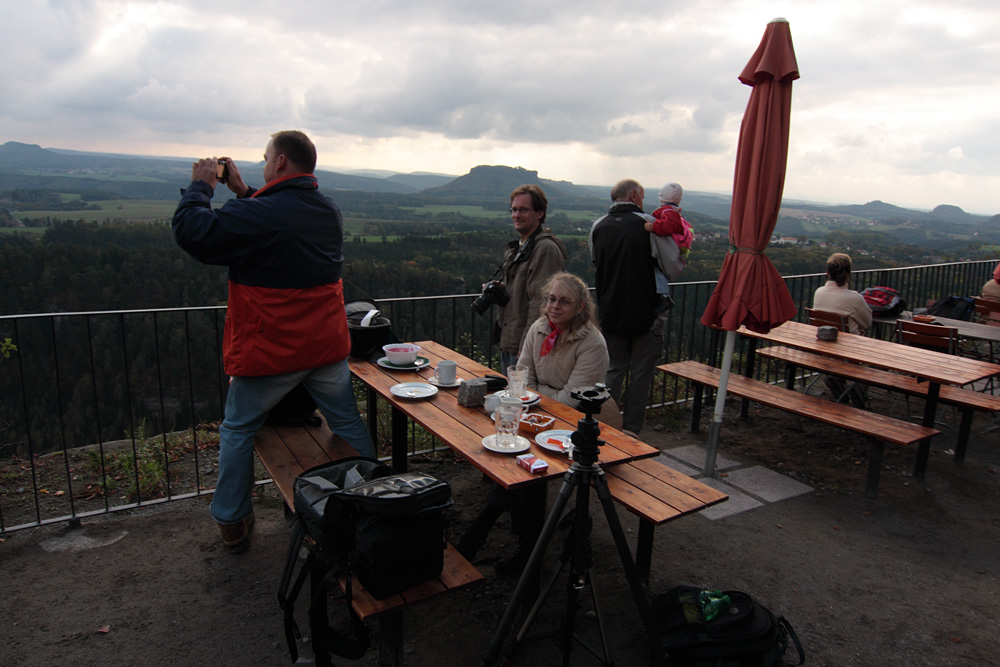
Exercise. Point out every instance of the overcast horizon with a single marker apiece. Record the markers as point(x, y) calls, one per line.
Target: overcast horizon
point(895, 100)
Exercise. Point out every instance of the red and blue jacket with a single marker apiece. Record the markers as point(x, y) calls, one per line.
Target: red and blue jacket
point(284, 249)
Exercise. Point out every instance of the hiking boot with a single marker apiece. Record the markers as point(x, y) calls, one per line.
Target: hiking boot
point(236, 536)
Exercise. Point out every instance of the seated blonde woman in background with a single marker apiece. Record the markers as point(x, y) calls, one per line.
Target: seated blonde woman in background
point(836, 297)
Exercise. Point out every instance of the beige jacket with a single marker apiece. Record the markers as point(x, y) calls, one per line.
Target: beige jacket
point(525, 282)
point(580, 361)
point(838, 299)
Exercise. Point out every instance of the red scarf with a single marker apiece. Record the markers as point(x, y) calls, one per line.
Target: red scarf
point(550, 340)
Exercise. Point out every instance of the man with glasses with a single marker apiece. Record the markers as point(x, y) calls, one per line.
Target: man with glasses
point(528, 263)
point(627, 300)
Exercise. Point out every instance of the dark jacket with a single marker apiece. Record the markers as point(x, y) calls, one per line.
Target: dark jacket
point(284, 250)
point(626, 288)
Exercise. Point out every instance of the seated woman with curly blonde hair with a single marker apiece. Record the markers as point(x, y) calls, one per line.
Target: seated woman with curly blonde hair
point(564, 350)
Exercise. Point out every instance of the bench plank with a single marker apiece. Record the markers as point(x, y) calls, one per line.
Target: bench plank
point(656, 494)
point(907, 384)
point(966, 400)
point(891, 430)
point(286, 452)
point(879, 428)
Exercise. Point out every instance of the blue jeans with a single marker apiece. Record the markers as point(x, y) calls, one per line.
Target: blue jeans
point(247, 404)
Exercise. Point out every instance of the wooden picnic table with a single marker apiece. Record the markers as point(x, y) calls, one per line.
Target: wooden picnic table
point(977, 331)
point(935, 368)
point(463, 428)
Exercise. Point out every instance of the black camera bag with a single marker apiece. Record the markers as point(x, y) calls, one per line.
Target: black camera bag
point(743, 634)
point(367, 341)
point(363, 519)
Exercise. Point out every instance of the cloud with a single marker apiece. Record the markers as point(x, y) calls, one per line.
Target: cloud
point(585, 88)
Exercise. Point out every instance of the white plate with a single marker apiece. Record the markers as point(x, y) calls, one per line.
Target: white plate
point(531, 399)
point(413, 390)
point(542, 438)
point(438, 383)
point(421, 362)
point(521, 445)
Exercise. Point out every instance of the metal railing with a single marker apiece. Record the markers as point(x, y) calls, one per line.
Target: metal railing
point(113, 410)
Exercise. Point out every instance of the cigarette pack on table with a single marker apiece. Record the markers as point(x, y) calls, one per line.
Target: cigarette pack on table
point(532, 463)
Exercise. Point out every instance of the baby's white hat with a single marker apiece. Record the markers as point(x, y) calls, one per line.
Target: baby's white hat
point(671, 193)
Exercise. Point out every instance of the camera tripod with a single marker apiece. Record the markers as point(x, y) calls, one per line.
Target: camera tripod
point(584, 472)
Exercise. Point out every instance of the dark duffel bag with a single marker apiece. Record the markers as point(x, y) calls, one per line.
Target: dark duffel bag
point(701, 628)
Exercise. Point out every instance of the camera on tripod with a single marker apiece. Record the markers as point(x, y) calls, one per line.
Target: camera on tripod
point(591, 398)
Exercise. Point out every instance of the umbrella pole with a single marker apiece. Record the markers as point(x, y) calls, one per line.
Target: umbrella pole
point(720, 404)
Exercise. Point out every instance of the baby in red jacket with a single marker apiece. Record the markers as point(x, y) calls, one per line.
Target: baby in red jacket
point(668, 221)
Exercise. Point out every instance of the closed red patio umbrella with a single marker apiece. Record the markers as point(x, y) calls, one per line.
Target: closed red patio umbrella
point(750, 291)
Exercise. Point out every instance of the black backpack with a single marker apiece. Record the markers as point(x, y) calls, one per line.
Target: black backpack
point(701, 628)
point(884, 300)
point(954, 307)
point(364, 520)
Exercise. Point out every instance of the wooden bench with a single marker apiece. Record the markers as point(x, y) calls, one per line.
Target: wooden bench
point(966, 400)
point(656, 494)
point(286, 451)
point(879, 428)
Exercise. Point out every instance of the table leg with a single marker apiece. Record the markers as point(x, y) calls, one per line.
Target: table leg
point(399, 444)
point(373, 415)
point(748, 372)
point(963, 434)
point(930, 412)
point(699, 393)
point(390, 639)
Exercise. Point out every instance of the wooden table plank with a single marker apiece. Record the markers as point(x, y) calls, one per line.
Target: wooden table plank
point(926, 364)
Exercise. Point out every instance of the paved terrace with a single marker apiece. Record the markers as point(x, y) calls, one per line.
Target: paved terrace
point(910, 580)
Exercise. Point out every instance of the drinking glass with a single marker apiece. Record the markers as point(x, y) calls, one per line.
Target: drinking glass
point(517, 381)
point(507, 418)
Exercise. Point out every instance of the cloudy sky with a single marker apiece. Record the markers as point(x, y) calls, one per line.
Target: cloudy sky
point(897, 100)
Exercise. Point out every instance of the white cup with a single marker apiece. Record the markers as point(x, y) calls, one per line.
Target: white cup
point(445, 372)
point(491, 403)
point(517, 381)
point(508, 421)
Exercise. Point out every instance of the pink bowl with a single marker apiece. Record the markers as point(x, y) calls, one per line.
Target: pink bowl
point(401, 353)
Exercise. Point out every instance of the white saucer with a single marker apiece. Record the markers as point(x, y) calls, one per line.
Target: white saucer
point(541, 439)
point(421, 362)
point(437, 383)
point(520, 445)
point(413, 390)
point(530, 400)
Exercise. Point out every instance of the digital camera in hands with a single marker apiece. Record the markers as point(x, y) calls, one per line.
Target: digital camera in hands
point(222, 170)
point(493, 293)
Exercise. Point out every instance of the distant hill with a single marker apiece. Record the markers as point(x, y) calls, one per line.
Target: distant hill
point(29, 166)
point(881, 211)
point(493, 184)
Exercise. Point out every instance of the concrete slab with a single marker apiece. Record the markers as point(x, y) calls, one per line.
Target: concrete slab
point(678, 465)
point(766, 484)
point(738, 501)
point(694, 455)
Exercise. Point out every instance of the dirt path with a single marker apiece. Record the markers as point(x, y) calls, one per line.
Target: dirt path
point(910, 581)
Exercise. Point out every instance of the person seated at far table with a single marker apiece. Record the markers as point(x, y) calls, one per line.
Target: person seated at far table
point(991, 290)
point(563, 350)
point(836, 297)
